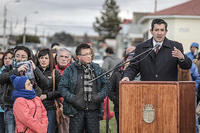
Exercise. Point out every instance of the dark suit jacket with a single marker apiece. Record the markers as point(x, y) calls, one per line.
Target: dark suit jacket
point(160, 67)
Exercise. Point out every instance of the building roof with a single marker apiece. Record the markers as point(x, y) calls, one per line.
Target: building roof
point(190, 8)
point(127, 21)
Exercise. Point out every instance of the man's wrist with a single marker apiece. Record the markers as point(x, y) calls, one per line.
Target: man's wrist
point(182, 59)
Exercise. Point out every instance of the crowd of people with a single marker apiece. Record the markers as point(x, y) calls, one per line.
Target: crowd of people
point(27, 101)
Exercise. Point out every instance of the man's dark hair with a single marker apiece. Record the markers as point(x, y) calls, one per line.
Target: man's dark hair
point(158, 21)
point(109, 50)
point(80, 47)
point(55, 44)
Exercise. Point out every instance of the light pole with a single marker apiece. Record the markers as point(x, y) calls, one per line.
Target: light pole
point(25, 22)
point(5, 20)
point(155, 5)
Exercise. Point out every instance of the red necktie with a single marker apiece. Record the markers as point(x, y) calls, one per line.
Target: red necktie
point(157, 49)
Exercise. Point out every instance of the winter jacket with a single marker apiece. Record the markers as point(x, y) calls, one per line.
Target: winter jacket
point(7, 87)
point(114, 91)
point(110, 61)
point(191, 55)
point(24, 111)
point(68, 83)
point(195, 76)
point(47, 88)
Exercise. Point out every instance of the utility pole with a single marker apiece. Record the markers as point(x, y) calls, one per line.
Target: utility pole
point(155, 6)
point(24, 34)
point(36, 30)
point(4, 24)
point(25, 22)
point(5, 20)
point(11, 28)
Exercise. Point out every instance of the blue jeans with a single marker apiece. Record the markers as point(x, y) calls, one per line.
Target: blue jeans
point(9, 120)
point(2, 130)
point(51, 114)
point(197, 123)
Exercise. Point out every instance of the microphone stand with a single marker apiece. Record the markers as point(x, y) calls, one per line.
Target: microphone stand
point(123, 63)
point(112, 69)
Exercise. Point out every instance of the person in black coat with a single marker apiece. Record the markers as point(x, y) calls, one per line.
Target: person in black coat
point(116, 77)
point(161, 64)
point(48, 96)
point(22, 64)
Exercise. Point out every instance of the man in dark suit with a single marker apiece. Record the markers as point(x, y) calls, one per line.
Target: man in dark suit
point(161, 64)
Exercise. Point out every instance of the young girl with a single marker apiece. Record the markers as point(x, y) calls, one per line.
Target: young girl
point(29, 112)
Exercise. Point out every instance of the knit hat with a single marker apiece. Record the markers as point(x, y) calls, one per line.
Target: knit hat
point(18, 81)
point(195, 44)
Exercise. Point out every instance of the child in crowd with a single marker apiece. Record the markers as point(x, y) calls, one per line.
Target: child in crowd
point(29, 112)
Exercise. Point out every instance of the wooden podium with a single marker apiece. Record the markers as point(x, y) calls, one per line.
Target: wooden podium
point(157, 107)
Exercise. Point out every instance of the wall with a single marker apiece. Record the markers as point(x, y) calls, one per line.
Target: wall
point(184, 30)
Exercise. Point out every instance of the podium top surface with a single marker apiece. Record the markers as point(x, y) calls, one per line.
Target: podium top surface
point(155, 82)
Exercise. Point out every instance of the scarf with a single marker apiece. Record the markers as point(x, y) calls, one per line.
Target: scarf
point(27, 94)
point(88, 75)
point(61, 69)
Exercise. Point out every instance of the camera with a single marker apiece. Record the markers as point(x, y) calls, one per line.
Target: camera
point(28, 73)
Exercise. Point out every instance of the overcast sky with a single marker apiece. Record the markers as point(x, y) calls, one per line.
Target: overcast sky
point(71, 16)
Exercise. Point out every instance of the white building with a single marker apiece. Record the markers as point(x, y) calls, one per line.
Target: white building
point(183, 23)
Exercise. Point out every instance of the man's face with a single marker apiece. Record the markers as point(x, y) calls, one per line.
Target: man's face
point(64, 58)
point(86, 56)
point(194, 50)
point(159, 32)
point(21, 55)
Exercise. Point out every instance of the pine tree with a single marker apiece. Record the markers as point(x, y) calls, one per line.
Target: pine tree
point(108, 25)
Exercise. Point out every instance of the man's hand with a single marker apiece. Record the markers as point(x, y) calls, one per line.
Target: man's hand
point(125, 79)
point(178, 54)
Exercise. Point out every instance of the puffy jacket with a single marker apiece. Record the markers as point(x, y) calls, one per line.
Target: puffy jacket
point(68, 83)
point(47, 88)
point(24, 110)
point(7, 88)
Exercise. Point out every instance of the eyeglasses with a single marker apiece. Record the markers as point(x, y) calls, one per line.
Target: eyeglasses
point(87, 54)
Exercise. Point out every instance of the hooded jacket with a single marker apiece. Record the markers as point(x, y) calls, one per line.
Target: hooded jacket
point(24, 110)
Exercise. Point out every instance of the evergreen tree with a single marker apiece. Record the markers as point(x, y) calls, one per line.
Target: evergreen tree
point(63, 38)
point(108, 25)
